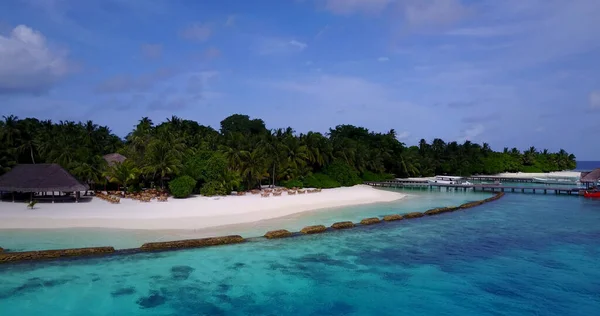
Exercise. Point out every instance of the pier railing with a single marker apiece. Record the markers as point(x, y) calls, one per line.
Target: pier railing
point(423, 184)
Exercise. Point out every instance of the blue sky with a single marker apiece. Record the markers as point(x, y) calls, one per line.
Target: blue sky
point(510, 73)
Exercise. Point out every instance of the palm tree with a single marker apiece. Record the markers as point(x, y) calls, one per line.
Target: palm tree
point(123, 173)
point(409, 165)
point(163, 158)
point(486, 149)
point(253, 167)
point(90, 171)
point(10, 129)
point(318, 147)
point(234, 150)
point(272, 148)
point(295, 156)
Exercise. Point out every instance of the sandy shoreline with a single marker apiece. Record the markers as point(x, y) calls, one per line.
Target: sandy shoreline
point(193, 213)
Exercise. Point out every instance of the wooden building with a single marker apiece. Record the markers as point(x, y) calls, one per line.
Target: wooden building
point(591, 178)
point(40, 179)
point(114, 158)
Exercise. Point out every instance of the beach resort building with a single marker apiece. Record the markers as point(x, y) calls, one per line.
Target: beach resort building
point(114, 158)
point(590, 178)
point(42, 182)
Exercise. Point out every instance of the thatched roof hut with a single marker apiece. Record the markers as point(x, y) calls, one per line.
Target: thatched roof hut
point(40, 178)
point(590, 177)
point(113, 158)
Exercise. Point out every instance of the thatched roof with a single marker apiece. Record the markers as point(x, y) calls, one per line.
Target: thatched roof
point(114, 158)
point(592, 176)
point(39, 178)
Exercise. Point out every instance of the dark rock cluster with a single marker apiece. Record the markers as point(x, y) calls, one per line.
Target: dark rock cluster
point(281, 233)
point(342, 225)
point(370, 221)
point(192, 243)
point(53, 254)
point(393, 217)
point(313, 229)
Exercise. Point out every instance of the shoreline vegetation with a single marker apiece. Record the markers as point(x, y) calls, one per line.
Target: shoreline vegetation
point(185, 158)
point(15, 257)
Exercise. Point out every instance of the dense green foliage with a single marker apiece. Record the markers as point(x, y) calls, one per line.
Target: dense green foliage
point(294, 183)
point(320, 180)
point(370, 176)
point(182, 187)
point(213, 188)
point(342, 173)
point(245, 154)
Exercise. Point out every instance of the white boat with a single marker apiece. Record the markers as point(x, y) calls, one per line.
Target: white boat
point(449, 180)
point(561, 181)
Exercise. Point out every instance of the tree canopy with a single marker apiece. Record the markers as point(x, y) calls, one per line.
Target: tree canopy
point(244, 154)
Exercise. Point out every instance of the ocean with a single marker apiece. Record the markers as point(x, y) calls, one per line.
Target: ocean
point(587, 165)
point(521, 255)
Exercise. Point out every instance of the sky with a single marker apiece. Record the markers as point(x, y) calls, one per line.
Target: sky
point(511, 73)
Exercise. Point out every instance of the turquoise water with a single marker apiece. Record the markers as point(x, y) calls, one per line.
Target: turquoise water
point(521, 255)
point(22, 240)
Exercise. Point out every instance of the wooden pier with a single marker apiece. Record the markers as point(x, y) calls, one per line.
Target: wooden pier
point(475, 187)
point(501, 179)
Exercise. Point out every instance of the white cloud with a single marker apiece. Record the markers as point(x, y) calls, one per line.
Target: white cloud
point(271, 46)
point(349, 93)
point(126, 83)
point(230, 21)
point(595, 99)
point(471, 133)
point(196, 32)
point(383, 59)
point(28, 64)
point(403, 136)
point(424, 13)
point(346, 7)
point(321, 100)
point(152, 51)
point(212, 52)
point(532, 28)
point(487, 31)
point(300, 45)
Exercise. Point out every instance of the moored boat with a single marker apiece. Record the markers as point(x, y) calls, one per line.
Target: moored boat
point(591, 194)
point(449, 180)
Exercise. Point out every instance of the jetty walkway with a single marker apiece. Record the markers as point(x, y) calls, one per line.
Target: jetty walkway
point(423, 184)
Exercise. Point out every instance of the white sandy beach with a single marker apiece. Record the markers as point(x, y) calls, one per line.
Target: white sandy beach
point(192, 213)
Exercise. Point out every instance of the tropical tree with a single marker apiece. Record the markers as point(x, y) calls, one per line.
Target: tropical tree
point(245, 152)
point(123, 173)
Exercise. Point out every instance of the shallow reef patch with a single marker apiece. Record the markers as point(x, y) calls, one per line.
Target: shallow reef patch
point(181, 272)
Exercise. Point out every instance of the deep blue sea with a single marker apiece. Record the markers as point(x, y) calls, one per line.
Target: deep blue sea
point(587, 165)
point(521, 255)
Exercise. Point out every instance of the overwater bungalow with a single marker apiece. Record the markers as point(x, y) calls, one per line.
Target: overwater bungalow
point(589, 179)
point(41, 182)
